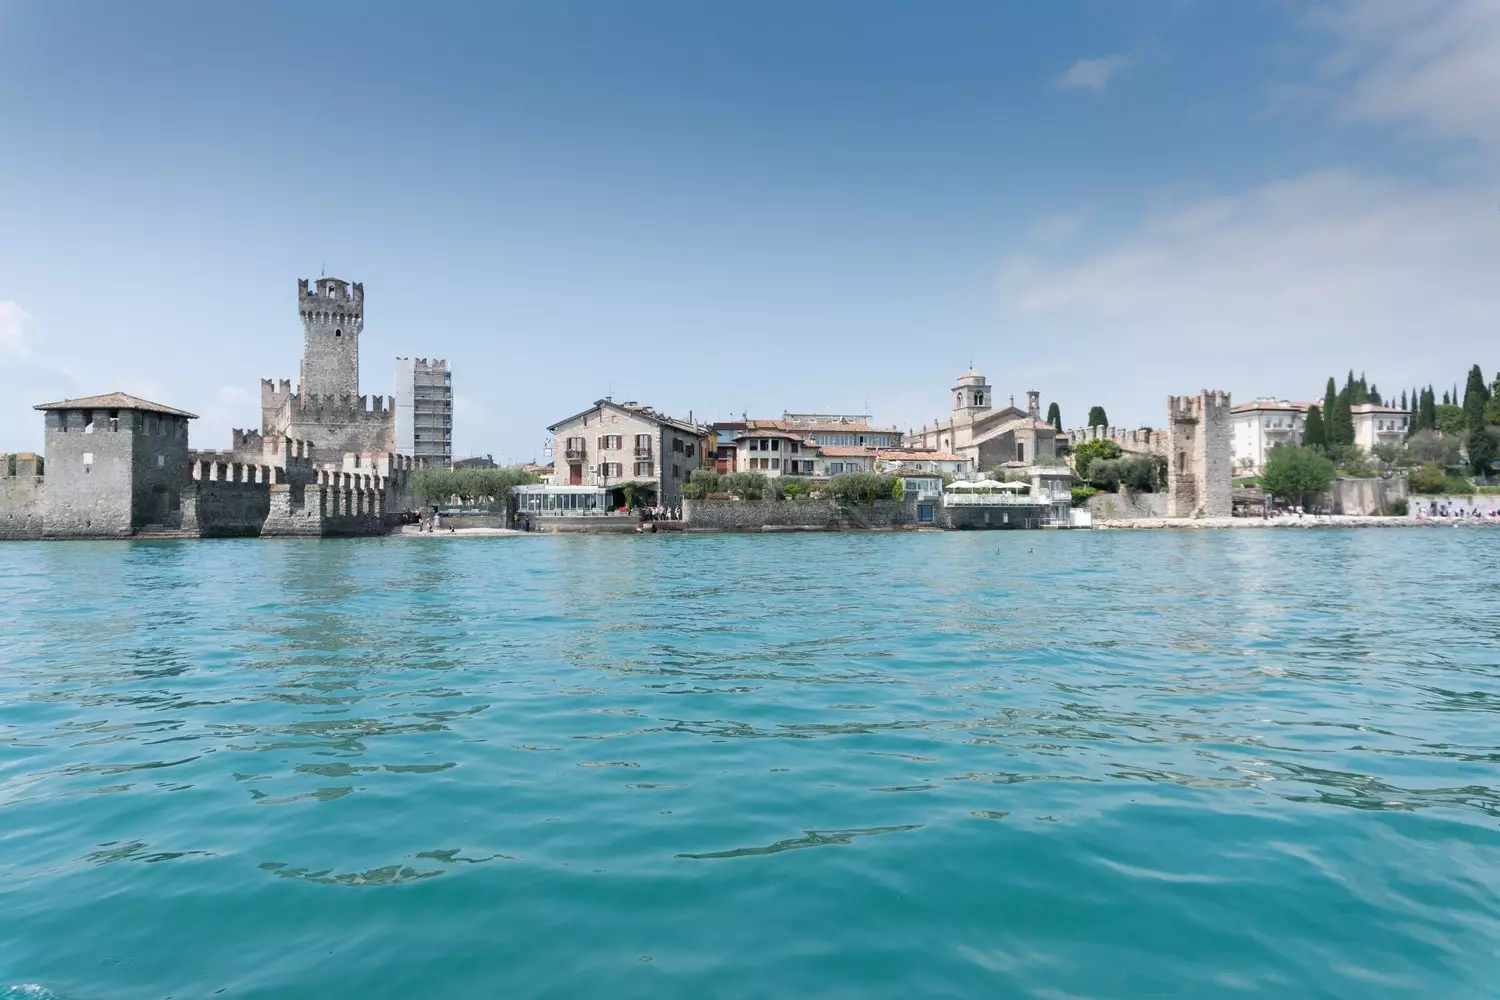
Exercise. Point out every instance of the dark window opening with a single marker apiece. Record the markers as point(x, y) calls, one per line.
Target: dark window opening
point(338, 333)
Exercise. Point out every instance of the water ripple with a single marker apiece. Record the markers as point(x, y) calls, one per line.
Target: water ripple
point(1254, 764)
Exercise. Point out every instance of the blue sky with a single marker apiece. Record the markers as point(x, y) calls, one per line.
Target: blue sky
point(748, 208)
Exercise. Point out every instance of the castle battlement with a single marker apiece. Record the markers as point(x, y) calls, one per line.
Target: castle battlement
point(220, 467)
point(1135, 441)
point(339, 405)
point(1193, 408)
point(330, 291)
point(22, 465)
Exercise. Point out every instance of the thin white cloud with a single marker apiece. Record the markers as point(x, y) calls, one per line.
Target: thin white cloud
point(16, 330)
point(1059, 228)
point(1432, 63)
point(1269, 290)
point(1092, 74)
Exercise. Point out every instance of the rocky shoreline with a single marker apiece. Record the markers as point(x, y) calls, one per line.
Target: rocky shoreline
point(1323, 521)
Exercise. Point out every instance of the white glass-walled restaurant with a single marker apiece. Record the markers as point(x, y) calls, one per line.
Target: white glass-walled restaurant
point(544, 499)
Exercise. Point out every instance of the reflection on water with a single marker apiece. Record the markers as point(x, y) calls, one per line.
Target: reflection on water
point(1117, 765)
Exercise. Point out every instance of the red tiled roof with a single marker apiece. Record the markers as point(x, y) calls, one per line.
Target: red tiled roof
point(846, 450)
point(114, 401)
point(1269, 404)
point(918, 455)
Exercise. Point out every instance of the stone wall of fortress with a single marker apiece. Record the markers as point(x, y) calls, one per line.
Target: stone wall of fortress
point(1142, 441)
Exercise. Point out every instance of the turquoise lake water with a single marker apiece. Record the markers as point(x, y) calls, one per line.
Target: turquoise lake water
point(1026, 764)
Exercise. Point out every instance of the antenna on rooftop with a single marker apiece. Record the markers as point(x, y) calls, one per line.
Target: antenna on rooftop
point(323, 269)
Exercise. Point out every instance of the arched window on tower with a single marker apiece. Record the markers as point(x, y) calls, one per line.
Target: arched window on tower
point(338, 333)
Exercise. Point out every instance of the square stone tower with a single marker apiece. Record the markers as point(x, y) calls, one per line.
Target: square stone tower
point(115, 463)
point(1199, 455)
point(333, 316)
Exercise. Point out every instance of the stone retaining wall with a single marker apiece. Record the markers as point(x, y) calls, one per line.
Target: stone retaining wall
point(1128, 505)
point(746, 515)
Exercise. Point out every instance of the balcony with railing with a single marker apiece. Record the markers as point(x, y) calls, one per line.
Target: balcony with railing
point(643, 451)
point(958, 499)
point(575, 454)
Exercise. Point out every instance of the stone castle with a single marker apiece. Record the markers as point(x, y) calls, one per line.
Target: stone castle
point(327, 408)
point(322, 463)
point(1198, 445)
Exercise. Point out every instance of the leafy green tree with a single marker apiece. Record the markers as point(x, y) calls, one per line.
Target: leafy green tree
point(1429, 477)
point(1296, 473)
point(1313, 434)
point(1389, 454)
point(898, 489)
point(748, 485)
point(1429, 446)
point(1097, 417)
point(490, 487)
point(1450, 420)
point(789, 487)
point(861, 487)
point(1136, 472)
point(700, 484)
point(1087, 452)
point(1054, 417)
point(1480, 444)
point(1351, 460)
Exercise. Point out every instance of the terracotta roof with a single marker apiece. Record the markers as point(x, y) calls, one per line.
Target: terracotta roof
point(918, 455)
point(114, 401)
point(1269, 404)
point(845, 451)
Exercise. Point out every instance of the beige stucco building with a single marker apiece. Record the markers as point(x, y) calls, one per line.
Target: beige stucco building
point(614, 445)
point(1375, 424)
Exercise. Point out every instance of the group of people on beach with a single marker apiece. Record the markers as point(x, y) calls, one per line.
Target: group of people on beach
point(661, 513)
point(1436, 509)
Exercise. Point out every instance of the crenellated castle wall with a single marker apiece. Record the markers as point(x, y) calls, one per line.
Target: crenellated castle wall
point(1141, 441)
point(23, 495)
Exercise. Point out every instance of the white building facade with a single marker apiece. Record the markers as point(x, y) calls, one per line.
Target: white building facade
point(1375, 424)
point(1258, 426)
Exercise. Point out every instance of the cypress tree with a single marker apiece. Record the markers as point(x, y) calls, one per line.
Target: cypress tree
point(1313, 434)
point(1361, 392)
point(1374, 396)
point(1481, 446)
point(1445, 398)
point(1330, 404)
point(1403, 400)
point(1054, 416)
point(1340, 429)
point(1427, 412)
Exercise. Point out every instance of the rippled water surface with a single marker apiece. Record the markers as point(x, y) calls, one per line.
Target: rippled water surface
point(1053, 765)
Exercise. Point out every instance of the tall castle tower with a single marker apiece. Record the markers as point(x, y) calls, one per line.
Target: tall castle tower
point(333, 315)
point(1199, 460)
